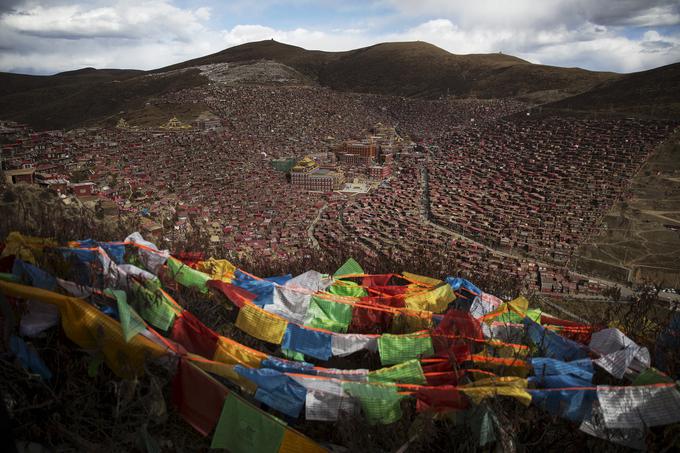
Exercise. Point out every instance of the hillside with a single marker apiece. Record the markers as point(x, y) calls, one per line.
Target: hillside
point(413, 69)
point(648, 93)
point(416, 69)
point(83, 97)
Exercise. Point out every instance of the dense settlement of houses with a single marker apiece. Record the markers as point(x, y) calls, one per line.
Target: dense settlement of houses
point(277, 171)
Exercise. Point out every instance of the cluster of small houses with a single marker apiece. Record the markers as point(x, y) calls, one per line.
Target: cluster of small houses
point(279, 171)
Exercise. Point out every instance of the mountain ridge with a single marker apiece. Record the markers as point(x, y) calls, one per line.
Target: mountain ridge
point(411, 69)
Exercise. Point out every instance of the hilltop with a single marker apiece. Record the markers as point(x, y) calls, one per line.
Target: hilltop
point(413, 69)
point(91, 96)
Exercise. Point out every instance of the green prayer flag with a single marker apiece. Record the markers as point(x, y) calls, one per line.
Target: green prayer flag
point(409, 372)
point(154, 307)
point(395, 349)
point(186, 276)
point(130, 321)
point(512, 317)
point(244, 429)
point(347, 289)
point(381, 404)
point(329, 315)
point(350, 267)
point(652, 376)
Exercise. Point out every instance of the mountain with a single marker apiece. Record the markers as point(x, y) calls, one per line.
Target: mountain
point(414, 69)
point(82, 97)
point(418, 69)
point(653, 93)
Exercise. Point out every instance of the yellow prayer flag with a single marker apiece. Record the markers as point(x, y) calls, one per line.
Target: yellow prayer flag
point(429, 281)
point(218, 269)
point(514, 387)
point(435, 300)
point(519, 306)
point(89, 328)
point(233, 353)
point(26, 248)
point(261, 324)
point(294, 442)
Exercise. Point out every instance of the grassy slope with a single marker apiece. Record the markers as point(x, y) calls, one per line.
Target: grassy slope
point(653, 93)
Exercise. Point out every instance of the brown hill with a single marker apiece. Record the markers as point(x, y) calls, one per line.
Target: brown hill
point(83, 97)
point(419, 69)
point(414, 69)
point(654, 93)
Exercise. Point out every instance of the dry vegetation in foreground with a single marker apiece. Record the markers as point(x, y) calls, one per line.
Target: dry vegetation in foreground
point(87, 408)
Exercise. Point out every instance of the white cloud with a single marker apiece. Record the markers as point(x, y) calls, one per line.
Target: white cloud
point(155, 33)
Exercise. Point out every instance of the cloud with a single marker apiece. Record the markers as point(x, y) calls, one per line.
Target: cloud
point(37, 36)
point(545, 13)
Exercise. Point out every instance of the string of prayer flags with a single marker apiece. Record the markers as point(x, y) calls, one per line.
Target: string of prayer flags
point(195, 336)
point(33, 276)
point(409, 372)
point(652, 376)
point(346, 344)
point(395, 349)
point(514, 387)
point(329, 315)
point(217, 269)
point(276, 390)
point(633, 438)
point(346, 288)
point(130, 321)
point(263, 289)
point(435, 300)
point(230, 352)
point(326, 400)
point(553, 345)
point(90, 328)
point(313, 343)
point(198, 397)
point(26, 248)
point(244, 429)
point(348, 268)
point(380, 404)
point(639, 407)
point(575, 405)
point(427, 281)
point(312, 281)
point(290, 304)
point(550, 367)
point(154, 307)
point(237, 296)
point(295, 442)
point(151, 257)
point(444, 398)
point(618, 352)
point(187, 276)
point(260, 324)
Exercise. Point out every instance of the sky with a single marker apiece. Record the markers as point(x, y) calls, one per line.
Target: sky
point(50, 36)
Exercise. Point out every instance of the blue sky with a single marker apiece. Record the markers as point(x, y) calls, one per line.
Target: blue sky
point(48, 36)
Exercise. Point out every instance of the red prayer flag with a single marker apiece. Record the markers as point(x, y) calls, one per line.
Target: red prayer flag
point(366, 320)
point(198, 397)
point(440, 399)
point(376, 280)
point(195, 336)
